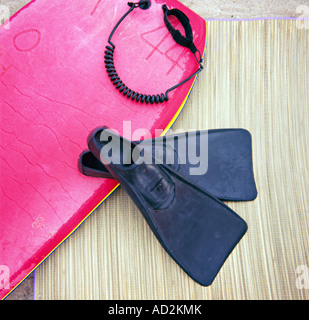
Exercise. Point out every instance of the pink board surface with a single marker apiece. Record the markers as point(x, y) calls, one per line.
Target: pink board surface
point(53, 91)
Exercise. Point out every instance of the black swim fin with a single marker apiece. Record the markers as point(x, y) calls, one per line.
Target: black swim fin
point(229, 175)
point(197, 230)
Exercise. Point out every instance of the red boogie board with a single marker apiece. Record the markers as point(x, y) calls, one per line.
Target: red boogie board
point(53, 91)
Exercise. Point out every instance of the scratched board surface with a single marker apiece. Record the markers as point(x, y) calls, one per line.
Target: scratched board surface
point(53, 91)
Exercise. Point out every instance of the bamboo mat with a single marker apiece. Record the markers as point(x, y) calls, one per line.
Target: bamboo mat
point(257, 78)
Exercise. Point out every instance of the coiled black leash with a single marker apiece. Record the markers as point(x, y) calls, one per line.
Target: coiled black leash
point(186, 41)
